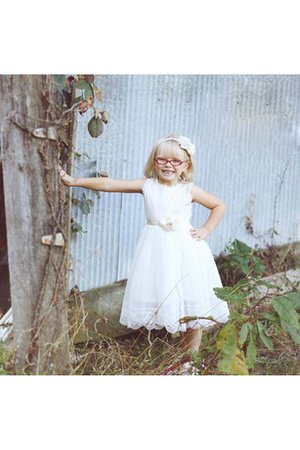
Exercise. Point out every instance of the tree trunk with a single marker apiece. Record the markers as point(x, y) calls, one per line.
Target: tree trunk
point(35, 206)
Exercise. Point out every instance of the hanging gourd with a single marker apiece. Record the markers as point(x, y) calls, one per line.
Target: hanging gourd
point(95, 125)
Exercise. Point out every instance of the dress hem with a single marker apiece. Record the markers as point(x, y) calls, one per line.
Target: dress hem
point(195, 324)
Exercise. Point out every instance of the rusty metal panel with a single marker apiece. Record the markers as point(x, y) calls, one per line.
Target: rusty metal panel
point(247, 134)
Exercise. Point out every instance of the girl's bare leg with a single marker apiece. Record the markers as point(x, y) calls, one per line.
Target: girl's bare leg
point(190, 343)
point(191, 340)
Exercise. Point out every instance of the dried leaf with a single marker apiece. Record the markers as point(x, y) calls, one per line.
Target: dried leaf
point(102, 174)
point(98, 93)
point(104, 117)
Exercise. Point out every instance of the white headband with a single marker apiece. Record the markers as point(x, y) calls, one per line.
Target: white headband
point(183, 142)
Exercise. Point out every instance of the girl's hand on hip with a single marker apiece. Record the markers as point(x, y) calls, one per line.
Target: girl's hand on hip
point(65, 178)
point(199, 233)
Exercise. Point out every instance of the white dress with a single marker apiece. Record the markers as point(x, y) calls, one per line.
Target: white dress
point(172, 275)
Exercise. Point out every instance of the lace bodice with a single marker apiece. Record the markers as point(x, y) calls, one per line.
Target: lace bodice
point(168, 204)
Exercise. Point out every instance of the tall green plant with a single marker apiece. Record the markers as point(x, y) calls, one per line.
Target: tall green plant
point(254, 319)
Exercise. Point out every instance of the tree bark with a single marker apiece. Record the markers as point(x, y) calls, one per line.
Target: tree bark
point(35, 206)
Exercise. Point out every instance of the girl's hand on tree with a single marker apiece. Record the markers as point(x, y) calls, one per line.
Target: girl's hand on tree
point(65, 178)
point(199, 233)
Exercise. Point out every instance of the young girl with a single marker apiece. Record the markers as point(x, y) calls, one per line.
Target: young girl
point(173, 272)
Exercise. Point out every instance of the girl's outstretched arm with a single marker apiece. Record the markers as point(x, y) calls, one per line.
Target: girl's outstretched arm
point(217, 207)
point(103, 183)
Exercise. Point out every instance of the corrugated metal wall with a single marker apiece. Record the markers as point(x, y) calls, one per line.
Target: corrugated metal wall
point(247, 132)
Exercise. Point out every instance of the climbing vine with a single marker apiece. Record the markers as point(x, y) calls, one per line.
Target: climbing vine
point(80, 93)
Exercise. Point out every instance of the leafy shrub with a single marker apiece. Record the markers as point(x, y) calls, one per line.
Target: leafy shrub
point(255, 319)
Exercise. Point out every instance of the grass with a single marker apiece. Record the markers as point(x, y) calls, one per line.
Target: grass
point(134, 355)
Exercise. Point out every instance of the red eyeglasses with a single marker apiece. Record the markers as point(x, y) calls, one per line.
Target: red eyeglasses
point(173, 162)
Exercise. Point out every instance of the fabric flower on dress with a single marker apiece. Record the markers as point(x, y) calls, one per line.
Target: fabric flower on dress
point(167, 224)
point(173, 222)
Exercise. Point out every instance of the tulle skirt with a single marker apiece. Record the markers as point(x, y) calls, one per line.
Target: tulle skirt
point(171, 279)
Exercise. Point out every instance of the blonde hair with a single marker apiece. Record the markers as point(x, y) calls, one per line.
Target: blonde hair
point(162, 148)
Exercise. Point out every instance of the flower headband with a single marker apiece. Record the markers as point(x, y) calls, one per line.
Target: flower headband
point(183, 142)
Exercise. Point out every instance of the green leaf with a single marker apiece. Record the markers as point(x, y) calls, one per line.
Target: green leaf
point(224, 365)
point(236, 366)
point(236, 316)
point(84, 205)
point(76, 227)
point(287, 312)
point(241, 258)
point(295, 334)
point(222, 292)
point(266, 340)
point(88, 91)
point(251, 352)
point(239, 247)
point(294, 298)
point(81, 84)
point(227, 339)
point(259, 266)
point(230, 294)
point(83, 87)
point(239, 365)
point(85, 209)
point(227, 345)
point(270, 316)
point(246, 327)
point(289, 318)
point(232, 359)
point(60, 81)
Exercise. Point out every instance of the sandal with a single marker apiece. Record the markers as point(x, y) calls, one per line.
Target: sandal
point(182, 367)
